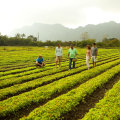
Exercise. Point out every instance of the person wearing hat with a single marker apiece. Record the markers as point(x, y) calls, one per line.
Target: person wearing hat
point(40, 61)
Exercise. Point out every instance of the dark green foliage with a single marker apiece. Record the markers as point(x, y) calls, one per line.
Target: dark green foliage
point(20, 40)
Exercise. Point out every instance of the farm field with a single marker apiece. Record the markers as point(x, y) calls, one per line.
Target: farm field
point(50, 93)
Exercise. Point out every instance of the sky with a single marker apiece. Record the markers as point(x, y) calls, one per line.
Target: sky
point(70, 13)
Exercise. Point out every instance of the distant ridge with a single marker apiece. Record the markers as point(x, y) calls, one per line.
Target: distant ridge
point(59, 32)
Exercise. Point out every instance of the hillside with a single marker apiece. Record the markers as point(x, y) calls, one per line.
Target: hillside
point(59, 32)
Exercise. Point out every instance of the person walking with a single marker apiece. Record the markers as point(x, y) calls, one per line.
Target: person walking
point(94, 54)
point(88, 56)
point(72, 52)
point(58, 54)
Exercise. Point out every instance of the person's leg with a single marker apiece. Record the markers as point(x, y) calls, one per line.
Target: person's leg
point(60, 61)
point(56, 60)
point(73, 64)
point(43, 64)
point(93, 61)
point(94, 64)
point(70, 61)
point(38, 65)
point(87, 62)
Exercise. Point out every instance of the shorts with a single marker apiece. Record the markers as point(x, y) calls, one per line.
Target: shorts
point(87, 58)
point(58, 58)
point(94, 58)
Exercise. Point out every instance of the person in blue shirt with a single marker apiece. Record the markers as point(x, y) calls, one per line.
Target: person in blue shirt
point(40, 61)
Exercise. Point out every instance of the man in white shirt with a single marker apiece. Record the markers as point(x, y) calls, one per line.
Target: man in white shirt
point(58, 54)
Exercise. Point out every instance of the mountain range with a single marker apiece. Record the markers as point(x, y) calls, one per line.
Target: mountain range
point(59, 32)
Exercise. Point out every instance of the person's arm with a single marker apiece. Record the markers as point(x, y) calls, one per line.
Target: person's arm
point(42, 60)
point(90, 53)
point(61, 52)
point(37, 63)
point(96, 53)
point(68, 53)
point(55, 52)
point(75, 52)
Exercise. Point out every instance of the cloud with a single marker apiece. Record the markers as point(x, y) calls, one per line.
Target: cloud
point(71, 13)
point(108, 5)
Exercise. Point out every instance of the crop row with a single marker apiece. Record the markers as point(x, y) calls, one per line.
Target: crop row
point(33, 75)
point(61, 105)
point(25, 73)
point(40, 70)
point(108, 108)
point(13, 81)
point(46, 92)
point(25, 56)
point(18, 69)
point(4, 68)
point(22, 70)
point(23, 65)
point(16, 66)
point(10, 91)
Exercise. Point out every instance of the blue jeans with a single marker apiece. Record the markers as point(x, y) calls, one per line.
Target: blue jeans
point(70, 62)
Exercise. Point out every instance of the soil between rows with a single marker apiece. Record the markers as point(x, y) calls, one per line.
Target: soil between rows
point(80, 110)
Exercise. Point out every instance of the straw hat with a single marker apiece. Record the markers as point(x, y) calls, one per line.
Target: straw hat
point(40, 55)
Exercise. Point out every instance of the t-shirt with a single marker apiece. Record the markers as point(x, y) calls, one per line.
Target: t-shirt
point(39, 60)
point(94, 51)
point(72, 52)
point(58, 51)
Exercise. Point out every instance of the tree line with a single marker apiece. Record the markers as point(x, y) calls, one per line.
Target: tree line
point(21, 40)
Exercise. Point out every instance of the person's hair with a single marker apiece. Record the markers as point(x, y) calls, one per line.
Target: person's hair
point(88, 46)
point(58, 44)
point(94, 43)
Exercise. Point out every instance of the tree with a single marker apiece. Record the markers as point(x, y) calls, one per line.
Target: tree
point(31, 37)
point(23, 35)
point(18, 35)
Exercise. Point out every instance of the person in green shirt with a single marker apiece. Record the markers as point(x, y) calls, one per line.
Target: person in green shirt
point(72, 52)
